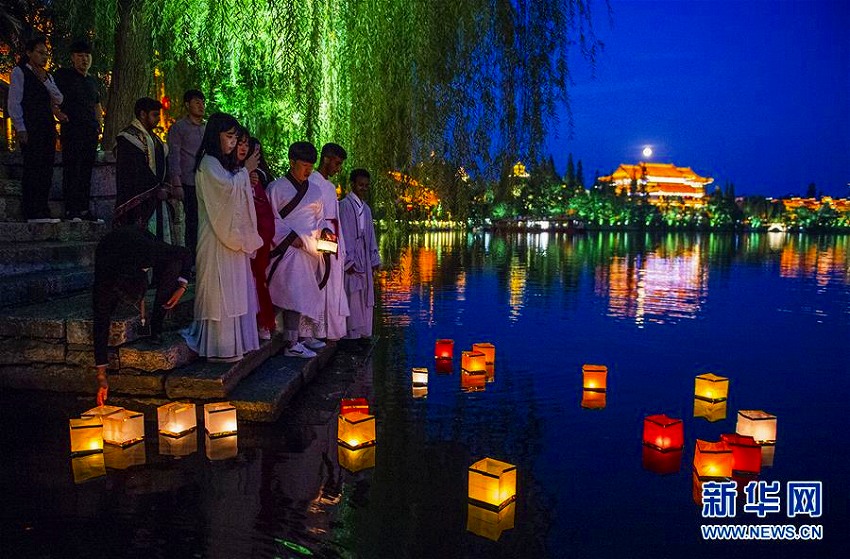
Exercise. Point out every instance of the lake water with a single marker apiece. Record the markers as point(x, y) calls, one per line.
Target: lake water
point(769, 311)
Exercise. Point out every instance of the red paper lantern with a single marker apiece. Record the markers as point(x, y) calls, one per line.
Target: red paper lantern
point(444, 349)
point(746, 453)
point(349, 405)
point(663, 433)
point(661, 463)
point(166, 102)
point(712, 460)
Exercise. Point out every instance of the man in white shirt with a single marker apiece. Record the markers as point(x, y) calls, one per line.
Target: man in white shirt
point(34, 99)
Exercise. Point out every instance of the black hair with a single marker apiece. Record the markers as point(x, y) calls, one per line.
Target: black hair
point(357, 173)
point(242, 135)
point(30, 45)
point(192, 94)
point(302, 151)
point(266, 174)
point(334, 150)
point(80, 46)
point(210, 144)
point(146, 104)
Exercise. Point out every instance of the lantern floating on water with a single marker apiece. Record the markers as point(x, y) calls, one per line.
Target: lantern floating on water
point(176, 419)
point(660, 462)
point(124, 428)
point(355, 460)
point(444, 349)
point(473, 361)
point(178, 446)
point(592, 400)
point(488, 349)
point(712, 460)
point(594, 377)
point(711, 388)
point(221, 448)
point(220, 419)
point(420, 376)
point(757, 424)
point(86, 435)
point(121, 458)
point(492, 483)
point(489, 523)
point(663, 433)
point(348, 405)
point(491, 372)
point(746, 453)
point(88, 467)
point(356, 429)
point(709, 411)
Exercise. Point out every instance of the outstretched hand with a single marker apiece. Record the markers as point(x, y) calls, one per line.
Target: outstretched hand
point(175, 297)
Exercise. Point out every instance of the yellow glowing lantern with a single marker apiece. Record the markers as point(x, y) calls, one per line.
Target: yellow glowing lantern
point(176, 419)
point(712, 460)
point(356, 429)
point(488, 349)
point(178, 446)
point(592, 400)
point(220, 419)
point(489, 523)
point(325, 245)
point(757, 424)
point(221, 448)
point(420, 376)
point(356, 459)
point(121, 458)
point(86, 435)
point(420, 391)
point(710, 411)
point(711, 388)
point(595, 377)
point(473, 381)
point(473, 361)
point(124, 428)
point(88, 467)
point(492, 483)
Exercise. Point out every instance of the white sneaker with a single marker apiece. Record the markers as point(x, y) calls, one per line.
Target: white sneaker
point(313, 343)
point(298, 350)
point(265, 334)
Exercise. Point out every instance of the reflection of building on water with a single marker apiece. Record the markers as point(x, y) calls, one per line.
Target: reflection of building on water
point(803, 257)
point(656, 287)
point(396, 289)
point(516, 288)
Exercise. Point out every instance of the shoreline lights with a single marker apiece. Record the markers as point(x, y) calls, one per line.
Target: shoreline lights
point(711, 388)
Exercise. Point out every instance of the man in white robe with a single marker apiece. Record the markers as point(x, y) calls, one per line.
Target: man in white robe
point(361, 256)
point(299, 219)
point(331, 323)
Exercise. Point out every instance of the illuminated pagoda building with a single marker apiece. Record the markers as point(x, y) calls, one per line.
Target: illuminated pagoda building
point(660, 183)
point(417, 199)
point(840, 205)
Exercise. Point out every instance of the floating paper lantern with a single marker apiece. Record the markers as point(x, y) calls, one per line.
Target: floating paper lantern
point(488, 349)
point(663, 433)
point(356, 429)
point(712, 460)
point(660, 462)
point(176, 419)
point(711, 388)
point(355, 460)
point(444, 349)
point(101, 411)
point(178, 446)
point(592, 400)
point(443, 366)
point(473, 361)
point(757, 424)
point(420, 376)
point(420, 391)
point(491, 372)
point(221, 448)
point(710, 411)
point(492, 483)
point(88, 467)
point(121, 458)
point(124, 428)
point(489, 523)
point(86, 435)
point(220, 419)
point(473, 381)
point(746, 453)
point(348, 405)
point(595, 377)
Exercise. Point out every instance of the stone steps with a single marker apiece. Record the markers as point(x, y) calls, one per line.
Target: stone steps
point(21, 258)
point(36, 287)
point(21, 232)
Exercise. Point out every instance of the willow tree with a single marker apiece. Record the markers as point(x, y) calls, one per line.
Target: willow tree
point(473, 83)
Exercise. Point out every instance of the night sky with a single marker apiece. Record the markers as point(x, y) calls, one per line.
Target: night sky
point(752, 92)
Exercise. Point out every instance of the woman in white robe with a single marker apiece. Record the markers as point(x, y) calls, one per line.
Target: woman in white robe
point(225, 325)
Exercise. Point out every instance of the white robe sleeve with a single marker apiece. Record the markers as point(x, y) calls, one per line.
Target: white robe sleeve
point(230, 205)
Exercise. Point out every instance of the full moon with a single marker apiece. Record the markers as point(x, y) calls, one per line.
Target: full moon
point(647, 151)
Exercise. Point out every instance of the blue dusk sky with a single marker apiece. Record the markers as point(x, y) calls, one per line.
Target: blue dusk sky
point(752, 92)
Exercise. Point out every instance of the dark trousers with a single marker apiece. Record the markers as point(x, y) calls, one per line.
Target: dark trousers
point(79, 150)
point(110, 291)
point(190, 207)
point(39, 154)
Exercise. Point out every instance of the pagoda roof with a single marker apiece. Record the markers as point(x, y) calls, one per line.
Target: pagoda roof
point(655, 170)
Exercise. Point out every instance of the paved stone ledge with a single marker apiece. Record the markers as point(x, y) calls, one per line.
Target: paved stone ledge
point(21, 232)
point(144, 356)
point(19, 258)
point(35, 287)
point(23, 351)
